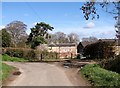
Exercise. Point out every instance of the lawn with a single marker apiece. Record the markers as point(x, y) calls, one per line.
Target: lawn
point(100, 77)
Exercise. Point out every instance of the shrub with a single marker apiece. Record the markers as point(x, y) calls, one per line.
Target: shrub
point(46, 55)
point(15, 52)
point(112, 64)
point(21, 53)
point(30, 55)
point(100, 77)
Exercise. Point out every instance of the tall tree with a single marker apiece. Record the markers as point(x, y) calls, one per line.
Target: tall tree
point(23, 41)
point(90, 10)
point(39, 34)
point(73, 38)
point(90, 39)
point(6, 38)
point(17, 30)
point(61, 37)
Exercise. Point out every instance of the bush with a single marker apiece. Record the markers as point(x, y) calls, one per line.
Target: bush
point(15, 52)
point(30, 54)
point(100, 77)
point(46, 55)
point(21, 53)
point(112, 64)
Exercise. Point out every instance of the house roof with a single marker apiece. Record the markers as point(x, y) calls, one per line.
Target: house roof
point(62, 45)
point(85, 43)
point(110, 40)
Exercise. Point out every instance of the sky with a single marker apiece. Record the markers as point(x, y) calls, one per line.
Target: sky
point(63, 16)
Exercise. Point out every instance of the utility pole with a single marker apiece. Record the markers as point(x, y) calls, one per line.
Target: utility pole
point(118, 26)
point(118, 23)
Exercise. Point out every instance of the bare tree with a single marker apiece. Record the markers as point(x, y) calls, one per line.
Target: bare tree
point(58, 37)
point(90, 39)
point(73, 38)
point(17, 31)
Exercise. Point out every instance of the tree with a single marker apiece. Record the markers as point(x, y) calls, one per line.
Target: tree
point(90, 39)
point(90, 10)
point(59, 37)
point(16, 29)
point(6, 38)
point(23, 41)
point(73, 38)
point(100, 49)
point(39, 34)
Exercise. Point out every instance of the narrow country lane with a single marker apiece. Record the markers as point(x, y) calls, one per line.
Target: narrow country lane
point(39, 74)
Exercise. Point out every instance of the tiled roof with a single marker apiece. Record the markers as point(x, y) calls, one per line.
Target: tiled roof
point(62, 45)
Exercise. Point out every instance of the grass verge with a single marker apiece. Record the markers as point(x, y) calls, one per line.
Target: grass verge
point(6, 57)
point(6, 70)
point(100, 77)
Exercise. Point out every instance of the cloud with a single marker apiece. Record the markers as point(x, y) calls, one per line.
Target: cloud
point(89, 25)
point(1, 27)
point(34, 23)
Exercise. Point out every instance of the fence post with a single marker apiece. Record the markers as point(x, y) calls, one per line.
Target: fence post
point(71, 55)
point(41, 56)
point(56, 55)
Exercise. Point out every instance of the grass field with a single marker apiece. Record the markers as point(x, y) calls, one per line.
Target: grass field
point(100, 77)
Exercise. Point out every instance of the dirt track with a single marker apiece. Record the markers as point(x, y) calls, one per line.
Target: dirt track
point(44, 74)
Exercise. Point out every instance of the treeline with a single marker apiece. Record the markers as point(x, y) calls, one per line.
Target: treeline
point(14, 35)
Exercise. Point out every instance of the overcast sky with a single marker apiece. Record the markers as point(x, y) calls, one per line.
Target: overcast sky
point(63, 16)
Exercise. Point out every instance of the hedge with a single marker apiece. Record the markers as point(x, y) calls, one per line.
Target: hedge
point(30, 54)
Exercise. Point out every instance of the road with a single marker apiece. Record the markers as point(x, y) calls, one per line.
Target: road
point(40, 74)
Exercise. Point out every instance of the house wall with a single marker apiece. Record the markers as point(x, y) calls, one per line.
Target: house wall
point(64, 51)
point(117, 50)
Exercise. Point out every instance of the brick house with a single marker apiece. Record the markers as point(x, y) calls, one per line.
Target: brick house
point(64, 50)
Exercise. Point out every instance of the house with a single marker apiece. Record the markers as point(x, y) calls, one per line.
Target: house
point(65, 50)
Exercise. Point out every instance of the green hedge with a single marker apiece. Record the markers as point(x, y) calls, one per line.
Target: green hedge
point(100, 77)
point(30, 54)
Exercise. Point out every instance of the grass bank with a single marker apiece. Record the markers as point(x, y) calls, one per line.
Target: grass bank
point(6, 57)
point(100, 77)
point(6, 70)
